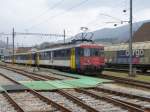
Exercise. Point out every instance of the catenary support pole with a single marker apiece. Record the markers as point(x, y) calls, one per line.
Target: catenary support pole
point(64, 36)
point(7, 42)
point(13, 40)
point(130, 43)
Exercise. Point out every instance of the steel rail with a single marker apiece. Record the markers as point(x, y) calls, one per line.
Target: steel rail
point(75, 99)
point(103, 76)
point(12, 102)
point(88, 108)
point(45, 99)
point(40, 96)
point(116, 92)
point(35, 75)
point(71, 97)
point(48, 77)
point(122, 93)
point(126, 71)
point(108, 91)
point(65, 94)
point(123, 104)
point(117, 79)
point(127, 81)
point(25, 74)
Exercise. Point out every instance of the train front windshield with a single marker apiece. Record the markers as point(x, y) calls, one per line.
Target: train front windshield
point(93, 52)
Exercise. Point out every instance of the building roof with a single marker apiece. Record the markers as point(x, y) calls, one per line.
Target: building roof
point(143, 33)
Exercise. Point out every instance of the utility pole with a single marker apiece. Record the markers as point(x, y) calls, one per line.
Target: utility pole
point(64, 36)
point(13, 38)
point(130, 42)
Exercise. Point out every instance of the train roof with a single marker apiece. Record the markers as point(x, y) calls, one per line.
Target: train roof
point(84, 45)
point(125, 46)
point(65, 47)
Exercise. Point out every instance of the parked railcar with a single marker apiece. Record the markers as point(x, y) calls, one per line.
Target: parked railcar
point(77, 57)
point(24, 58)
point(81, 57)
point(117, 56)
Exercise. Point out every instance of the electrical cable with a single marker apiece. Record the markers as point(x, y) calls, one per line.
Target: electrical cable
point(61, 13)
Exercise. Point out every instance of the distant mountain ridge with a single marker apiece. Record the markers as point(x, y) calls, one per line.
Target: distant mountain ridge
point(115, 35)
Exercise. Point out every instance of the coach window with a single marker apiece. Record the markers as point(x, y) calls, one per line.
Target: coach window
point(86, 52)
point(48, 55)
point(95, 52)
point(81, 52)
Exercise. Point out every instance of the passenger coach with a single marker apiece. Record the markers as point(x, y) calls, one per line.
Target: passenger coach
point(81, 57)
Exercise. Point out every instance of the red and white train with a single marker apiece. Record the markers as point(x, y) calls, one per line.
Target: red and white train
point(81, 57)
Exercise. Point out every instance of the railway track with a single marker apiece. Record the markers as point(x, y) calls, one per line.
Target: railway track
point(92, 104)
point(30, 99)
point(49, 75)
point(126, 71)
point(127, 90)
point(14, 75)
point(132, 82)
point(84, 106)
point(64, 101)
point(98, 104)
point(29, 102)
point(6, 104)
point(5, 81)
point(128, 98)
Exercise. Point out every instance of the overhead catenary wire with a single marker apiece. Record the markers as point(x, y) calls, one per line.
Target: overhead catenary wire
point(48, 9)
point(60, 14)
point(117, 20)
point(34, 34)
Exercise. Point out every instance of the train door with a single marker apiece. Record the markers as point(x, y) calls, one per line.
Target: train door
point(37, 59)
point(29, 59)
point(13, 59)
point(77, 55)
point(72, 59)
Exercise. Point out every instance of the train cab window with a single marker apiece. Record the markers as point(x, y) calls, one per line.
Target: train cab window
point(86, 52)
point(80, 51)
point(92, 52)
point(95, 52)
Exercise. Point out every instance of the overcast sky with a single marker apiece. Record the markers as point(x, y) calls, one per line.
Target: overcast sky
point(52, 16)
